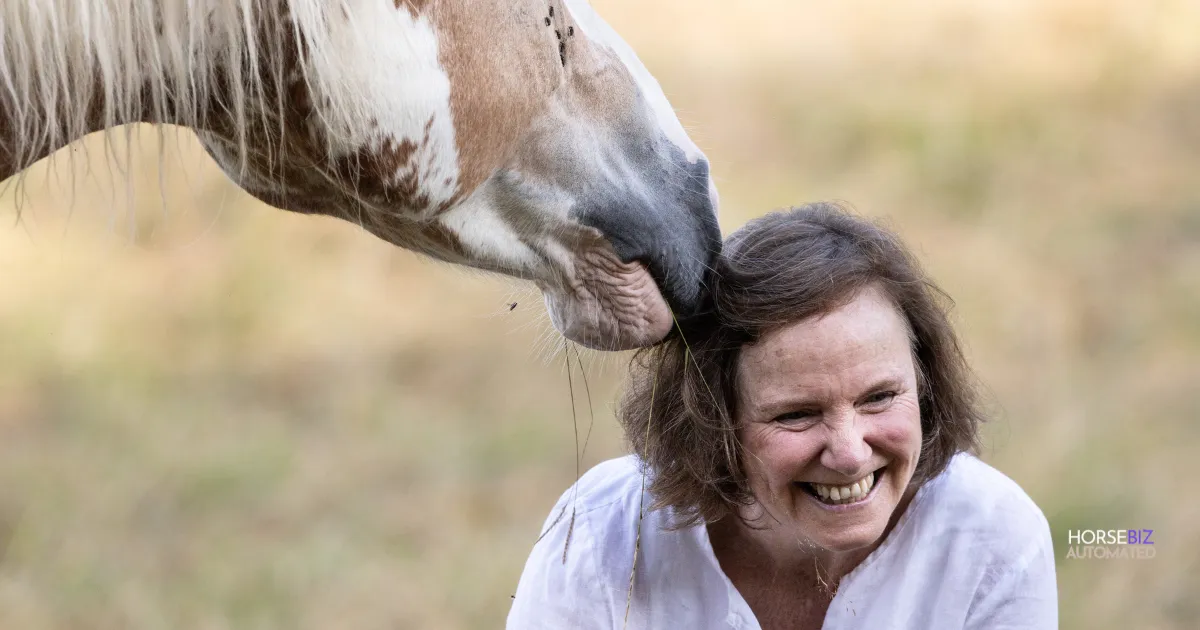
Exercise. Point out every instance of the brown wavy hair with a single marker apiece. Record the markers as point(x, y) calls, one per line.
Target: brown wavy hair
point(680, 407)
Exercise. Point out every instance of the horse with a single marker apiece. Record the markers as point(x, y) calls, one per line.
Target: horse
point(522, 137)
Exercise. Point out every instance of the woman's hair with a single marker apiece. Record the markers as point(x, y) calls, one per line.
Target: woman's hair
point(679, 411)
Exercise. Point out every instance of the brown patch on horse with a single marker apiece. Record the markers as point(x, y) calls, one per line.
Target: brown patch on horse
point(522, 65)
point(389, 175)
point(590, 59)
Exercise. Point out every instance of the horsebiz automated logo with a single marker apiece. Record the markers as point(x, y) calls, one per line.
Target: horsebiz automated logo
point(1110, 544)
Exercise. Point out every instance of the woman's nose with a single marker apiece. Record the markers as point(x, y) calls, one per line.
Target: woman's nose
point(846, 451)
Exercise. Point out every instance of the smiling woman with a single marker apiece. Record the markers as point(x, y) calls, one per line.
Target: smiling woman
point(522, 137)
point(803, 459)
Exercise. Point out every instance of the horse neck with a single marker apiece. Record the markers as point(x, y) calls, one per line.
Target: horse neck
point(72, 67)
point(28, 134)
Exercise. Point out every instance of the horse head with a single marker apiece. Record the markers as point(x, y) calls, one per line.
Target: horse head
point(517, 136)
point(522, 138)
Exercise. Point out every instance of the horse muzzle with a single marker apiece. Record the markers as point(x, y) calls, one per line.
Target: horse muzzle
point(663, 237)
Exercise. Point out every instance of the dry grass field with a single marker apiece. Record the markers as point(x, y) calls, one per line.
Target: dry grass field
point(215, 415)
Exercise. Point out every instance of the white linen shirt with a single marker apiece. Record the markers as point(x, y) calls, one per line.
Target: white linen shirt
point(972, 550)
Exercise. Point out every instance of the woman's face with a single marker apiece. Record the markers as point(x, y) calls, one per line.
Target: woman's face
point(830, 424)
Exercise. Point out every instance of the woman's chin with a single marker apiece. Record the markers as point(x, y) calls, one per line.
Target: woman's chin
point(848, 541)
point(843, 528)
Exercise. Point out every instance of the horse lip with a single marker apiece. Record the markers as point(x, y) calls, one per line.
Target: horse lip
point(674, 301)
point(607, 329)
point(686, 294)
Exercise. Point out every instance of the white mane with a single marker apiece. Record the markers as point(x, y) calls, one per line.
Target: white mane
point(63, 61)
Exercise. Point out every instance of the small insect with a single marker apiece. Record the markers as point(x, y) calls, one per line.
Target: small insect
point(512, 306)
point(570, 31)
point(551, 11)
point(558, 34)
point(547, 21)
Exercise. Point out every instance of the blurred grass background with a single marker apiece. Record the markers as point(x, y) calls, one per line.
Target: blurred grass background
point(217, 415)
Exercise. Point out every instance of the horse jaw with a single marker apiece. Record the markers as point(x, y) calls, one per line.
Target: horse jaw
point(593, 297)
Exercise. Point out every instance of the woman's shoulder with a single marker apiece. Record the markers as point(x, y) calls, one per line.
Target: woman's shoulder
point(609, 503)
point(971, 546)
point(615, 481)
point(578, 573)
point(972, 498)
point(567, 582)
point(975, 484)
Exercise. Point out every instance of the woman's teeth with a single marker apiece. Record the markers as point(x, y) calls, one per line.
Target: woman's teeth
point(840, 495)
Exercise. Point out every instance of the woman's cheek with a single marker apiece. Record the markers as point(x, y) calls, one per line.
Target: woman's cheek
point(900, 426)
point(779, 454)
point(791, 453)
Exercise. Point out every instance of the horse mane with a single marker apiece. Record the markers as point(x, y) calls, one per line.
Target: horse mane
point(69, 67)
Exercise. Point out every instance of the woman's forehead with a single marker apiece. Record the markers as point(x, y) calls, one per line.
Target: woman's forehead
point(864, 335)
point(869, 313)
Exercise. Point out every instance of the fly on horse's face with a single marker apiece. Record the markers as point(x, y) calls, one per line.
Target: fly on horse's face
point(522, 137)
point(517, 136)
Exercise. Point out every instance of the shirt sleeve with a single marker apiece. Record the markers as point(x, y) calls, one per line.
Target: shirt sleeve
point(560, 587)
point(1022, 594)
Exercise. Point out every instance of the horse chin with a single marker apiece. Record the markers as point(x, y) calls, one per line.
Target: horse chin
point(610, 306)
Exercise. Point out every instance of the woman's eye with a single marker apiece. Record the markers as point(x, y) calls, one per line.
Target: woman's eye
point(795, 417)
point(879, 398)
